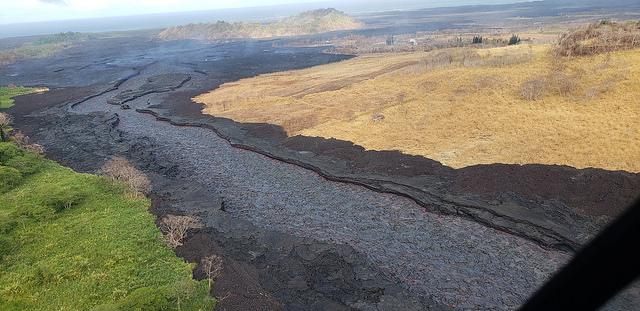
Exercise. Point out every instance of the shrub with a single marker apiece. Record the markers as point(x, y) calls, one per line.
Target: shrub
point(439, 60)
point(8, 151)
point(533, 89)
point(144, 299)
point(556, 82)
point(61, 197)
point(561, 83)
point(176, 228)
point(23, 141)
point(9, 178)
point(602, 87)
point(515, 39)
point(597, 38)
point(120, 169)
point(26, 163)
point(182, 292)
point(34, 211)
point(35, 149)
point(5, 126)
point(470, 58)
point(20, 139)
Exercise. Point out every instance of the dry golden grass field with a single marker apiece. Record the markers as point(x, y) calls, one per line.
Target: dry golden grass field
point(516, 104)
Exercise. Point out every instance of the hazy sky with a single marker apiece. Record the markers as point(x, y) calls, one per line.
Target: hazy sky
point(23, 11)
point(41, 10)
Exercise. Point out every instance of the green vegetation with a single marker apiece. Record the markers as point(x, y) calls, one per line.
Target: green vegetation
point(71, 241)
point(63, 37)
point(311, 22)
point(477, 40)
point(42, 47)
point(515, 39)
point(8, 93)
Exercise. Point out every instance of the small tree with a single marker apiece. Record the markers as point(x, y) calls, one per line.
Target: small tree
point(5, 126)
point(176, 228)
point(477, 40)
point(212, 267)
point(391, 40)
point(514, 40)
point(120, 169)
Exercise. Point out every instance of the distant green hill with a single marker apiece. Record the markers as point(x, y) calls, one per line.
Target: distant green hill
point(311, 22)
point(42, 47)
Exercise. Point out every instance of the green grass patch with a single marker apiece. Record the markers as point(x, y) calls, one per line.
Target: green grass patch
point(8, 93)
point(71, 241)
point(42, 47)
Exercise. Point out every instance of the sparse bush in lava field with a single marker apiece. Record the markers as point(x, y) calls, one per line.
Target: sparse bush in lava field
point(212, 267)
point(121, 169)
point(176, 228)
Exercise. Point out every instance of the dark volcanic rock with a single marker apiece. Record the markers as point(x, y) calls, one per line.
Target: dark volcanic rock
point(299, 273)
point(156, 84)
point(556, 206)
point(289, 238)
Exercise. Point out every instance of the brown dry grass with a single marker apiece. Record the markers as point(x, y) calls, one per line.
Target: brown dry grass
point(457, 106)
point(599, 38)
